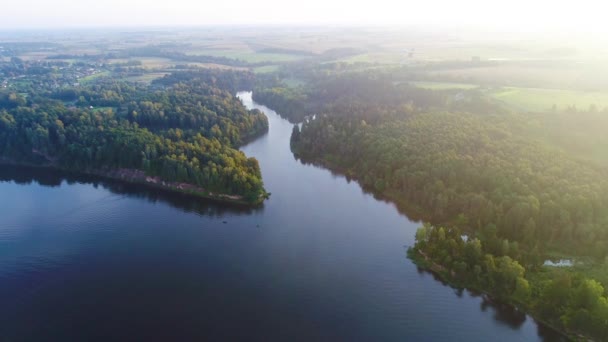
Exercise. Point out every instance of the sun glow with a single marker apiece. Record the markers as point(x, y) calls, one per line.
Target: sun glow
point(515, 15)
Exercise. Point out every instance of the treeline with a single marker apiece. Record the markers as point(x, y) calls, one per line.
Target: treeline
point(195, 102)
point(290, 103)
point(184, 131)
point(154, 51)
point(159, 51)
point(522, 187)
point(565, 300)
point(229, 80)
point(457, 159)
point(352, 90)
point(455, 163)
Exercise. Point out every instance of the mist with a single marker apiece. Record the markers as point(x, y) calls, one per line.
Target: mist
point(515, 16)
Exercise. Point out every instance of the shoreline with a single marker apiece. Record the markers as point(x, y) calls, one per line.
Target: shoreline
point(411, 210)
point(420, 260)
point(134, 176)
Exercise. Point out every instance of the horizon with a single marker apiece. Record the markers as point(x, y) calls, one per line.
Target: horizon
point(187, 171)
point(518, 16)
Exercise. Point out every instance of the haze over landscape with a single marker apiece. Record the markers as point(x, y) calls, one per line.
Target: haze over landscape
point(318, 170)
point(517, 15)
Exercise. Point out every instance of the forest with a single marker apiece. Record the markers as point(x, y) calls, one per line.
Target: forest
point(565, 300)
point(501, 189)
point(183, 128)
point(458, 163)
point(456, 159)
point(336, 88)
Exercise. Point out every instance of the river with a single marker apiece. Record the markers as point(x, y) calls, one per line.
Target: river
point(88, 259)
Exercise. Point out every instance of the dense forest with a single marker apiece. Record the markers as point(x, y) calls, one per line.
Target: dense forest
point(508, 180)
point(183, 128)
point(372, 91)
point(566, 300)
point(457, 163)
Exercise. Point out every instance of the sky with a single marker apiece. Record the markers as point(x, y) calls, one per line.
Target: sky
point(516, 15)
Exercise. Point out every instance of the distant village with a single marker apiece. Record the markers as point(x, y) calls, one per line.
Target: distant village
point(20, 73)
point(16, 73)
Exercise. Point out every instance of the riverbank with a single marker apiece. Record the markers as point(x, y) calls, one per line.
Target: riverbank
point(135, 176)
point(412, 211)
point(451, 279)
point(139, 177)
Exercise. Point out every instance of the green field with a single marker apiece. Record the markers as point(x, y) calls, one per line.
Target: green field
point(266, 69)
point(94, 76)
point(252, 56)
point(146, 78)
point(155, 62)
point(586, 75)
point(444, 85)
point(376, 57)
point(538, 99)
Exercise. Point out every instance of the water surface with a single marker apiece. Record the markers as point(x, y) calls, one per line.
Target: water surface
point(87, 259)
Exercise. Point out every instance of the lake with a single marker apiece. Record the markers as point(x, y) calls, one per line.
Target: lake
point(83, 258)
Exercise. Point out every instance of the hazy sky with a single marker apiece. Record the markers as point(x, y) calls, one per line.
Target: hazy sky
point(520, 15)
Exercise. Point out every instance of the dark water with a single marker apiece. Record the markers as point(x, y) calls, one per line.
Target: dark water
point(84, 259)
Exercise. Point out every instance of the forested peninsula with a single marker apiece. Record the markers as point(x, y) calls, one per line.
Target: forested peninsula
point(181, 132)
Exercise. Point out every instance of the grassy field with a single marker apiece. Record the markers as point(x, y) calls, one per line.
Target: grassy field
point(94, 76)
point(35, 56)
point(266, 69)
point(210, 65)
point(539, 99)
point(155, 62)
point(252, 56)
point(376, 57)
point(531, 74)
point(166, 63)
point(532, 99)
point(146, 78)
point(444, 85)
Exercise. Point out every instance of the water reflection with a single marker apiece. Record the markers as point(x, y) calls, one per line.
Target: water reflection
point(409, 210)
point(329, 264)
point(25, 175)
point(502, 313)
point(517, 325)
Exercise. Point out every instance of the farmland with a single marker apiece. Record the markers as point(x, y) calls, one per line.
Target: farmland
point(444, 85)
point(541, 99)
point(252, 56)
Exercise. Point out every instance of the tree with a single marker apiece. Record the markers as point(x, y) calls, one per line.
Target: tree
point(522, 290)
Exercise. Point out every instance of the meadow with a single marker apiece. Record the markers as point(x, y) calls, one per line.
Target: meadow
point(252, 56)
point(543, 99)
point(444, 85)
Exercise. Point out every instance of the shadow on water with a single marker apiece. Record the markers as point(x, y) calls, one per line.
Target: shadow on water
point(407, 209)
point(503, 313)
point(47, 177)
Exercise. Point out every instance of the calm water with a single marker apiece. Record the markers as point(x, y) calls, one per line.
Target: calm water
point(84, 259)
